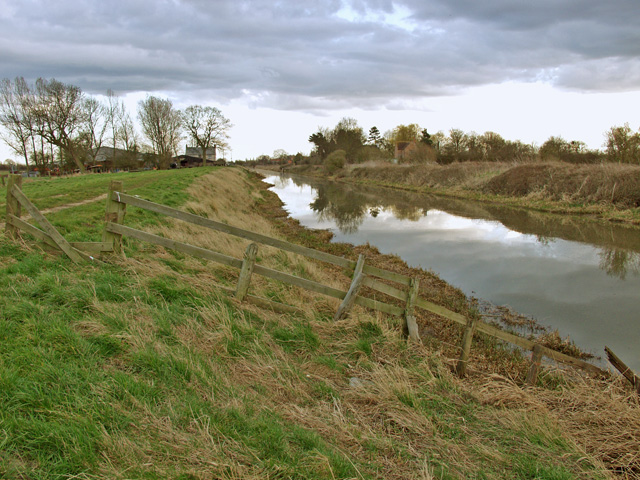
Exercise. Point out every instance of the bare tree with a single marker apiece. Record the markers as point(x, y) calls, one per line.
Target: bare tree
point(60, 113)
point(206, 127)
point(94, 128)
point(161, 124)
point(14, 118)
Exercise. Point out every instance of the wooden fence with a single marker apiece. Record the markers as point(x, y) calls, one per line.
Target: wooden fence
point(403, 288)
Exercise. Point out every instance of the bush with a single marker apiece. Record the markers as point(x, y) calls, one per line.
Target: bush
point(335, 161)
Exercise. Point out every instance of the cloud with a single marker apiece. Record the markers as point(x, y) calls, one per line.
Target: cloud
point(326, 55)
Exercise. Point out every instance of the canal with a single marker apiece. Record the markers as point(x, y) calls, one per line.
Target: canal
point(579, 276)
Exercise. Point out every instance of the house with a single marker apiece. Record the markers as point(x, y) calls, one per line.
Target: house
point(193, 158)
point(404, 148)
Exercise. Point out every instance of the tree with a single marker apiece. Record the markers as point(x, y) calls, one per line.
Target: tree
point(94, 127)
point(348, 136)
point(623, 144)
point(374, 136)
point(161, 124)
point(206, 127)
point(322, 143)
point(14, 116)
point(425, 137)
point(59, 113)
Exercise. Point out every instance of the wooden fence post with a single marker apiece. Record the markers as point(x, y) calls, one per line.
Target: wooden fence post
point(623, 369)
point(356, 283)
point(410, 328)
point(247, 270)
point(13, 206)
point(461, 367)
point(114, 213)
point(536, 358)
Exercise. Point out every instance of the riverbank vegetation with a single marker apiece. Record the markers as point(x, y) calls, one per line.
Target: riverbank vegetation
point(143, 368)
point(559, 176)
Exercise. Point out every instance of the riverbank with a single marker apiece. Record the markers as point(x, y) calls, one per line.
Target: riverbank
point(144, 368)
point(608, 191)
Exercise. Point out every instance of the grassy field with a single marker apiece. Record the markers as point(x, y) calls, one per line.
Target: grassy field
point(144, 368)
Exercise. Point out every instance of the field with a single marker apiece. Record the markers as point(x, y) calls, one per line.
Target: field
point(142, 367)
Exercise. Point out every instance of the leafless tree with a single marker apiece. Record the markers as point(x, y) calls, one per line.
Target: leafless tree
point(206, 127)
point(14, 117)
point(161, 124)
point(60, 113)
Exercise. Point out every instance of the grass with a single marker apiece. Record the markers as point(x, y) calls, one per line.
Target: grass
point(143, 368)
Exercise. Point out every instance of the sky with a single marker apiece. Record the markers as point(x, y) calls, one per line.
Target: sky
point(279, 69)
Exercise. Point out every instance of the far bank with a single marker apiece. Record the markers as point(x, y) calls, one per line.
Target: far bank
point(606, 191)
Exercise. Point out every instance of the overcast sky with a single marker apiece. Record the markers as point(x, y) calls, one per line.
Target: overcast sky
point(279, 69)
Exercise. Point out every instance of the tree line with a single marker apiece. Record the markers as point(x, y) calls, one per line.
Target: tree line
point(348, 143)
point(51, 124)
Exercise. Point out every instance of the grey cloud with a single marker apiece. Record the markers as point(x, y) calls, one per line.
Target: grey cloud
point(312, 55)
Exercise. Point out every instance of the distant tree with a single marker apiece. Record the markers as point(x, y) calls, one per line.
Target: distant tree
point(162, 125)
point(623, 144)
point(322, 143)
point(206, 127)
point(374, 137)
point(554, 148)
point(60, 114)
point(14, 97)
point(456, 144)
point(425, 137)
point(94, 127)
point(493, 145)
point(348, 136)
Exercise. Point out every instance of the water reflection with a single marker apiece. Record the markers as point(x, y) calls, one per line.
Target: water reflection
point(348, 206)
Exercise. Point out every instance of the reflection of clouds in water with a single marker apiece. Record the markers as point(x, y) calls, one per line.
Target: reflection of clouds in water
point(586, 291)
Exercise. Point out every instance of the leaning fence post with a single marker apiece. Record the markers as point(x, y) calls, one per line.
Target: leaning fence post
point(467, 338)
point(356, 283)
point(410, 328)
point(13, 206)
point(534, 369)
point(247, 270)
point(114, 213)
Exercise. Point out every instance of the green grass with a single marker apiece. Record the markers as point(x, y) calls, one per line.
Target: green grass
point(119, 371)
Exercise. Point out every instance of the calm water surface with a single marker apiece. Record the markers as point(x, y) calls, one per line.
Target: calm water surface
point(579, 276)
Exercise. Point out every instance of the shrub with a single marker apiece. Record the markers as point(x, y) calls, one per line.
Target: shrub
point(335, 161)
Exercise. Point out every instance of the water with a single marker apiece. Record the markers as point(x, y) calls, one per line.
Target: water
point(579, 276)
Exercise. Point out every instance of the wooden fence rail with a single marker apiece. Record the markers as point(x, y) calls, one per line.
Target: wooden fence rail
point(363, 274)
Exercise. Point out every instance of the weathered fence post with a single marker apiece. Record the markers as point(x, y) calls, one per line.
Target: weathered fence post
point(467, 338)
point(534, 370)
point(410, 328)
point(356, 283)
point(114, 213)
point(247, 270)
point(623, 369)
point(13, 206)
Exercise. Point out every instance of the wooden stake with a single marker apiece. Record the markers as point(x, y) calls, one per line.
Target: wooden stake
point(246, 271)
point(623, 369)
point(13, 206)
point(467, 338)
point(350, 297)
point(534, 370)
point(411, 326)
point(114, 213)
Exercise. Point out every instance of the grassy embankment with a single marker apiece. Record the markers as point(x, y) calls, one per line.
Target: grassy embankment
point(141, 368)
point(607, 191)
